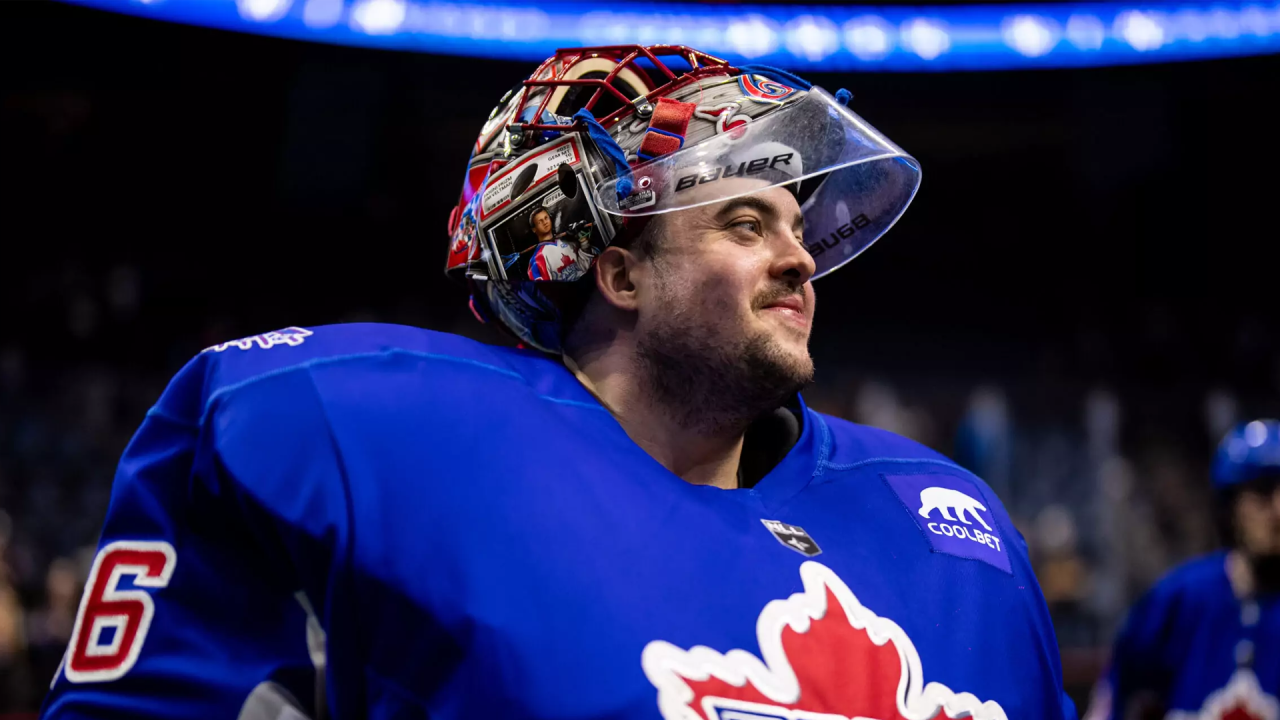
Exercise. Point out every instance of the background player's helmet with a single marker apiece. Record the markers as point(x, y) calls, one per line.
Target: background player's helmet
point(602, 138)
point(1250, 451)
point(1247, 457)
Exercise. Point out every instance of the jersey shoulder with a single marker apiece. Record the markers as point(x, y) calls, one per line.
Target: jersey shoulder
point(1195, 577)
point(861, 447)
point(347, 348)
point(853, 443)
point(1182, 596)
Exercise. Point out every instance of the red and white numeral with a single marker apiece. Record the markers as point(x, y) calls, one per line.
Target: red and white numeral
point(128, 612)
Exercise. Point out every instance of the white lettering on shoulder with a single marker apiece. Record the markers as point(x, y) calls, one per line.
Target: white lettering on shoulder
point(292, 336)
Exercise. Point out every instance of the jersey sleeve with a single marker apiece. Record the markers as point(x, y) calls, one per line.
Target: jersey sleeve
point(1137, 680)
point(1069, 711)
point(220, 551)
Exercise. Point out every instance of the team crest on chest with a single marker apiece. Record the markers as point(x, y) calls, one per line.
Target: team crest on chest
point(824, 656)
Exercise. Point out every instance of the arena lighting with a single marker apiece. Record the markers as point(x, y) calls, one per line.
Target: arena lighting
point(977, 37)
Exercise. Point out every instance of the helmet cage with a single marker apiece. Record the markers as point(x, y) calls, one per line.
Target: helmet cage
point(627, 58)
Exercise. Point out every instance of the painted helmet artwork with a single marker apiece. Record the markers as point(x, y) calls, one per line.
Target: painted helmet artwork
point(598, 139)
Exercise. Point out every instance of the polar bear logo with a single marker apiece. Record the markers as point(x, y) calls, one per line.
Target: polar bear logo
point(946, 500)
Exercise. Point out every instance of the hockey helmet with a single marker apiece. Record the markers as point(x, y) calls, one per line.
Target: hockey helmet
point(1250, 451)
point(576, 156)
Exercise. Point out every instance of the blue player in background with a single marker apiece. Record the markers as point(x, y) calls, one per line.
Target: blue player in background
point(343, 521)
point(1204, 643)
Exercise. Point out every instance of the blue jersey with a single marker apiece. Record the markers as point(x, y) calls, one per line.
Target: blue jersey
point(1190, 650)
point(439, 528)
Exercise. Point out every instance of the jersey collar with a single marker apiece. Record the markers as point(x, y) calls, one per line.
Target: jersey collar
point(790, 475)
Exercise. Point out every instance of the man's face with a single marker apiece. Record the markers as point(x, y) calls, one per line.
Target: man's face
point(731, 279)
point(1258, 520)
point(542, 222)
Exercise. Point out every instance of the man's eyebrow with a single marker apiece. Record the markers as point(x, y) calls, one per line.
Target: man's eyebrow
point(764, 207)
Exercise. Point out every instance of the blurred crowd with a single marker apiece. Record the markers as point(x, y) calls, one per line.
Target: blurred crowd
point(1105, 512)
point(1103, 521)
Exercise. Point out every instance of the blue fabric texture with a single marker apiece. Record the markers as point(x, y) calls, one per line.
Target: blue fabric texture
point(609, 147)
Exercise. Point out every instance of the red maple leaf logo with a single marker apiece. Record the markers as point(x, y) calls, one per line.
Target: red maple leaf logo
point(1242, 698)
point(566, 260)
point(824, 656)
point(1240, 712)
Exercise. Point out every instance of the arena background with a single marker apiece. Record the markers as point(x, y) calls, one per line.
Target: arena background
point(1079, 302)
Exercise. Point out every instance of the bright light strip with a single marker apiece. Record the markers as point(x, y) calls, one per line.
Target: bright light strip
point(813, 39)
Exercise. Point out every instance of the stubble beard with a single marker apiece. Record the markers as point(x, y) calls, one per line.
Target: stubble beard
point(716, 387)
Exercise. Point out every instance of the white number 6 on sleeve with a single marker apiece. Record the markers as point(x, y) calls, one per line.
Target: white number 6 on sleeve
point(126, 614)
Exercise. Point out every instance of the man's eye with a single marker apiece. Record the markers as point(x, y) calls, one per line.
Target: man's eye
point(751, 226)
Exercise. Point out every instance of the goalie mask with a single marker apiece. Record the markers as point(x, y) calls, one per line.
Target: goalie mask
point(597, 139)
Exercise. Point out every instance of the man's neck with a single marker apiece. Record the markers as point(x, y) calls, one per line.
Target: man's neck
point(698, 458)
point(1240, 573)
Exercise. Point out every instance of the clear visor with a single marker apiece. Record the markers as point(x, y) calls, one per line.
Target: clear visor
point(865, 182)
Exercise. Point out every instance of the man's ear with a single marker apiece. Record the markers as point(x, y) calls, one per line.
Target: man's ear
point(617, 274)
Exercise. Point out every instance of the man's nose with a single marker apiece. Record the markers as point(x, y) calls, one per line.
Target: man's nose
point(793, 262)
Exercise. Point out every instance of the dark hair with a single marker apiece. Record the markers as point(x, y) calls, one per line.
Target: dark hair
point(540, 209)
point(642, 237)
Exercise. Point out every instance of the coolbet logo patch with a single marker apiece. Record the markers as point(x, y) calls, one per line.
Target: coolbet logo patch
point(823, 656)
point(1242, 699)
point(952, 518)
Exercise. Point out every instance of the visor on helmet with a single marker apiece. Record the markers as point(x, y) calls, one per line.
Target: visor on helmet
point(866, 181)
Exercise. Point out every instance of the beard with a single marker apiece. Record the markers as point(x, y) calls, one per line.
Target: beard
point(714, 385)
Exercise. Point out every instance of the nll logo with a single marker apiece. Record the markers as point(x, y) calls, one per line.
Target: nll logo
point(793, 537)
